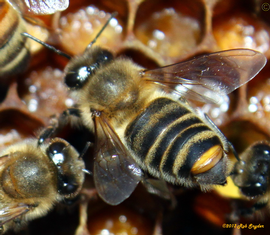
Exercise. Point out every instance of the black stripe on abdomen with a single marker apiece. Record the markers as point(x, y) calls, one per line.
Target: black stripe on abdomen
point(143, 132)
point(168, 136)
point(177, 148)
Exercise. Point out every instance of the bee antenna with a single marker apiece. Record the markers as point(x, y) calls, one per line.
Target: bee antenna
point(108, 21)
point(86, 147)
point(46, 45)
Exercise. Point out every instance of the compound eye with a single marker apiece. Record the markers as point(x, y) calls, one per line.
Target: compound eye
point(254, 189)
point(67, 185)
point(104, 57)
point(55, 152)
point(77, 78)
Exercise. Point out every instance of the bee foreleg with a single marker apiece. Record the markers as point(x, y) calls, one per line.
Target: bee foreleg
point(159, 187)
point(230, 146)
point(57, 122)
point(214, 125)
point(233, 151)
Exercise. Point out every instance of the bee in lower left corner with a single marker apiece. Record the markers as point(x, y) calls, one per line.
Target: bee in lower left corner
point(35, 177)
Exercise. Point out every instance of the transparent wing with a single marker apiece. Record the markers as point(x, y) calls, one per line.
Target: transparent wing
point(116, 174)
point(45, 7)
point(158, 187)
point(11, 212)
point(207, 77)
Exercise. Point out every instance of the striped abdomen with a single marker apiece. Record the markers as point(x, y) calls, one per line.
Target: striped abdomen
point(13, 50)
point(172, 142)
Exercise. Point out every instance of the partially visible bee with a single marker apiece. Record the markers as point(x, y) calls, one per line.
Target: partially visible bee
point(15, 49)
point(41, 7)
point(139, 126)
point(251, 175)
point(33, 178)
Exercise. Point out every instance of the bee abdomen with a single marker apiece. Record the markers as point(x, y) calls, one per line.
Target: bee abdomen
point(14, 53)
point(145, 129)
point(169, 138)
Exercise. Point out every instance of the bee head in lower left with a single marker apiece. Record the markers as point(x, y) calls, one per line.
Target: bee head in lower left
point(33, 178)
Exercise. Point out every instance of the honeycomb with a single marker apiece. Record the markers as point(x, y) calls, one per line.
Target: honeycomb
point(153, 33)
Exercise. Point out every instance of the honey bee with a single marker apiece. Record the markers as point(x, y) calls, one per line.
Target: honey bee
point(140, 127)
point(15, 49)
point(251, 176)
point(35, 177)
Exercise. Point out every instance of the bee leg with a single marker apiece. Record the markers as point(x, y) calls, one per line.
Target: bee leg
point(230, 146)
point(207, 118)
point(57, 122)
point(233, 151)
point(86, 196)
point(160, 188)
point(17, 221)
point(158, 224)
point(48, 131)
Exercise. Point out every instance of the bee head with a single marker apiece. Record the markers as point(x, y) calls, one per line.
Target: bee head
point(69, 167)
point(81, 68)
point(252, 172)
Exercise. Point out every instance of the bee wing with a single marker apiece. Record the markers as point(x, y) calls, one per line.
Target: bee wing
point(12, 212)
point(158, 187)
point(116, 174)
point(45, 7)
point(207, 77)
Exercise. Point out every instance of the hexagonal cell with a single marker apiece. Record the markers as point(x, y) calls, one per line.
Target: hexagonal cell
point(258, 99)
point(238, 27)
point(44, 92)
point(139, 58)
point(120, 6)
point(119, 220)
point(170, 28)
point(243, 133)
point(78, 29)
point(17, 126)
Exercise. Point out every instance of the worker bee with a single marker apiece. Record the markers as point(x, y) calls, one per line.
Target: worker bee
point(141, 127)
point(15, 49)
point(35, 177)
point(251, 176)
